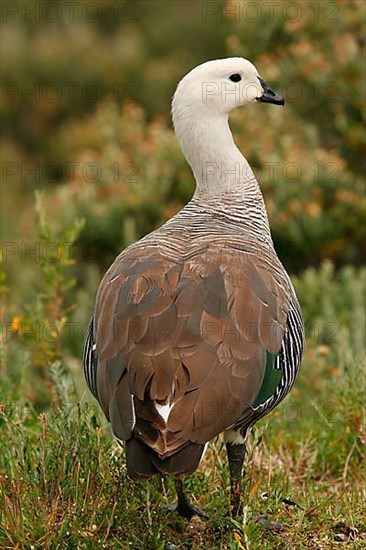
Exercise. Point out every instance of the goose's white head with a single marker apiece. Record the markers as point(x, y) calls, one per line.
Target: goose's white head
point(200, 110)
point(221, 85)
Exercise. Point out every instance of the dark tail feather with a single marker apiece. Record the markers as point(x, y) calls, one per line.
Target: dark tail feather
point(138, 458)
point(143, 462)
point(183, 462)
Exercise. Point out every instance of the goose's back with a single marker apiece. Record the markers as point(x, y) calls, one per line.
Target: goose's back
point(183, 328)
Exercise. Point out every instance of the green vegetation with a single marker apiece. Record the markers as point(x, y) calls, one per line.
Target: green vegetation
point(110, 171)
point(64, 482)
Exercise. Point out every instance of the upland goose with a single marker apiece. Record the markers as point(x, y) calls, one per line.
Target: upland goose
point(197, 329)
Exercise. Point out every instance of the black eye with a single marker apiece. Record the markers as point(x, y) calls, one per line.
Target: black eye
point(235, 77)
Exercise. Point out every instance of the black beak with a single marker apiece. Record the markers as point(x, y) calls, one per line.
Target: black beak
point(269, 96)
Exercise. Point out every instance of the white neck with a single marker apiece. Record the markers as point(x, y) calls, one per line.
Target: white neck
point(223, 176)
point(217, 164)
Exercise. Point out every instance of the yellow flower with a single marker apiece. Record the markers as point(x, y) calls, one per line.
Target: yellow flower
point(15, 324)
point(238, 540)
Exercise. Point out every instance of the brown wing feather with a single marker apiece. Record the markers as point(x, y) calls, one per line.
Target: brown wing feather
point(192, 334)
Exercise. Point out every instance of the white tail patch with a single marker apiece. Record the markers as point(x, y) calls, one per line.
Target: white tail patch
point(164, 411)
point(133, 412)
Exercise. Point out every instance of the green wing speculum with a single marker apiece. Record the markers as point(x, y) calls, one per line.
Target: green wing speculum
point(272, 377)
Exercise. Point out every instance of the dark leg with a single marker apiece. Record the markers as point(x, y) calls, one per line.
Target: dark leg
point(236, 454)
point(185, 508)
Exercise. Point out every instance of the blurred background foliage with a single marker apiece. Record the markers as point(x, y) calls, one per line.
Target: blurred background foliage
point(86, 119)
point(90, 164)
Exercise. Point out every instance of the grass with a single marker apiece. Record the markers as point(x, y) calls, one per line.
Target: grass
point(63, 481)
